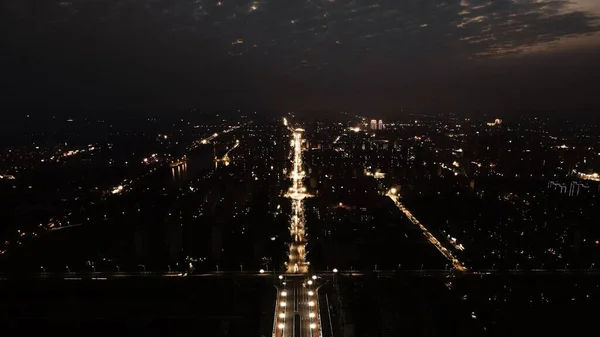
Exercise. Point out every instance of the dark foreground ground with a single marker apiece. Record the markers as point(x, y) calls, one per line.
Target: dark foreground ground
point(489, 305)
point(137, 307)
point(403, 305)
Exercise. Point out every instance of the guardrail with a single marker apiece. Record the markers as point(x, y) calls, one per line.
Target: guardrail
point(275, 311)
point(327, 273)
point(319, 313)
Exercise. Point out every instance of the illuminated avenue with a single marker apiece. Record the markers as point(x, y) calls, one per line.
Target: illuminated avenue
point(297, 308)
point(430, 238)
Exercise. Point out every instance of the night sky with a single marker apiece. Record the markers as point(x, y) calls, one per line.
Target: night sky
point(361, 56)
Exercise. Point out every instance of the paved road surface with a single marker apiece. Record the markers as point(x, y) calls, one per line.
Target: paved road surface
point(299, 317)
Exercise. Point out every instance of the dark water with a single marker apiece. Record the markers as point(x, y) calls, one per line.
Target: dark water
point(198, 161)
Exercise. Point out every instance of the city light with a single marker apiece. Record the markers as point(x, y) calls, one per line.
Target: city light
point(310, 293)
point(309, 282)
point(284, 293)
point(282, 304)
point(282, 315)
point(311, 304)
point(262, 271)
point(118, 189)
point(281, 277)
point(313, 326)
point(311, 315)
point(314, 277)
point(281, 325)
point(297, 259)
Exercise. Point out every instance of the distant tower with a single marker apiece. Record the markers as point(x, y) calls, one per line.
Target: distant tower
point(380, 125)
point(373, 124)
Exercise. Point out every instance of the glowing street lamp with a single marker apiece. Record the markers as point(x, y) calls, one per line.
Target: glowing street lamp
point(281, 325)
point(314, 277)
point(311, 315)
point(262, 271)
point(313, 326)
point(393, 190)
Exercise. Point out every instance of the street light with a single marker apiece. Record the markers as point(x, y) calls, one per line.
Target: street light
point(281, 325)
point(284, 293)
point(335, 270)
point(313, 326)
point(282, 304)
point(282, 315)
point(309, 282)
point(314, 277)
point(311, 315)
point(262, 271)
point(310, 293)
point(281, 277)
point(393, 190)
point(311, 304)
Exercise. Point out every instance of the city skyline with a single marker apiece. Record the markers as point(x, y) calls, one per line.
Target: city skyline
point(296, 225)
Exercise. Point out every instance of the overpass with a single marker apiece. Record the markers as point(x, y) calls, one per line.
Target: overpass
point(323, 275)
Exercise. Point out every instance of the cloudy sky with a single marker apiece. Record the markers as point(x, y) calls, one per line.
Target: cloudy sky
point(361, 55)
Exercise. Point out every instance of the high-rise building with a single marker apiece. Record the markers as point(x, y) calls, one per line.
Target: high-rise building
point(380, 125)
point(373, 124)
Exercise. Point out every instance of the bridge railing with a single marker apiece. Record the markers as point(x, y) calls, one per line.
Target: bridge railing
point(319, 315)
point(275, 311)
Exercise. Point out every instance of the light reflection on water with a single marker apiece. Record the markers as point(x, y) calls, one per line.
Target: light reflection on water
point(180, 172)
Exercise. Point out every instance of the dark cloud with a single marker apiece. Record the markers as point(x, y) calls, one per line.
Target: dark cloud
point(331, 53)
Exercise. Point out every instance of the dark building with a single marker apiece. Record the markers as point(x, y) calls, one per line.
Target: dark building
point(141, 242)
point(217, 240)
point(174, 236)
